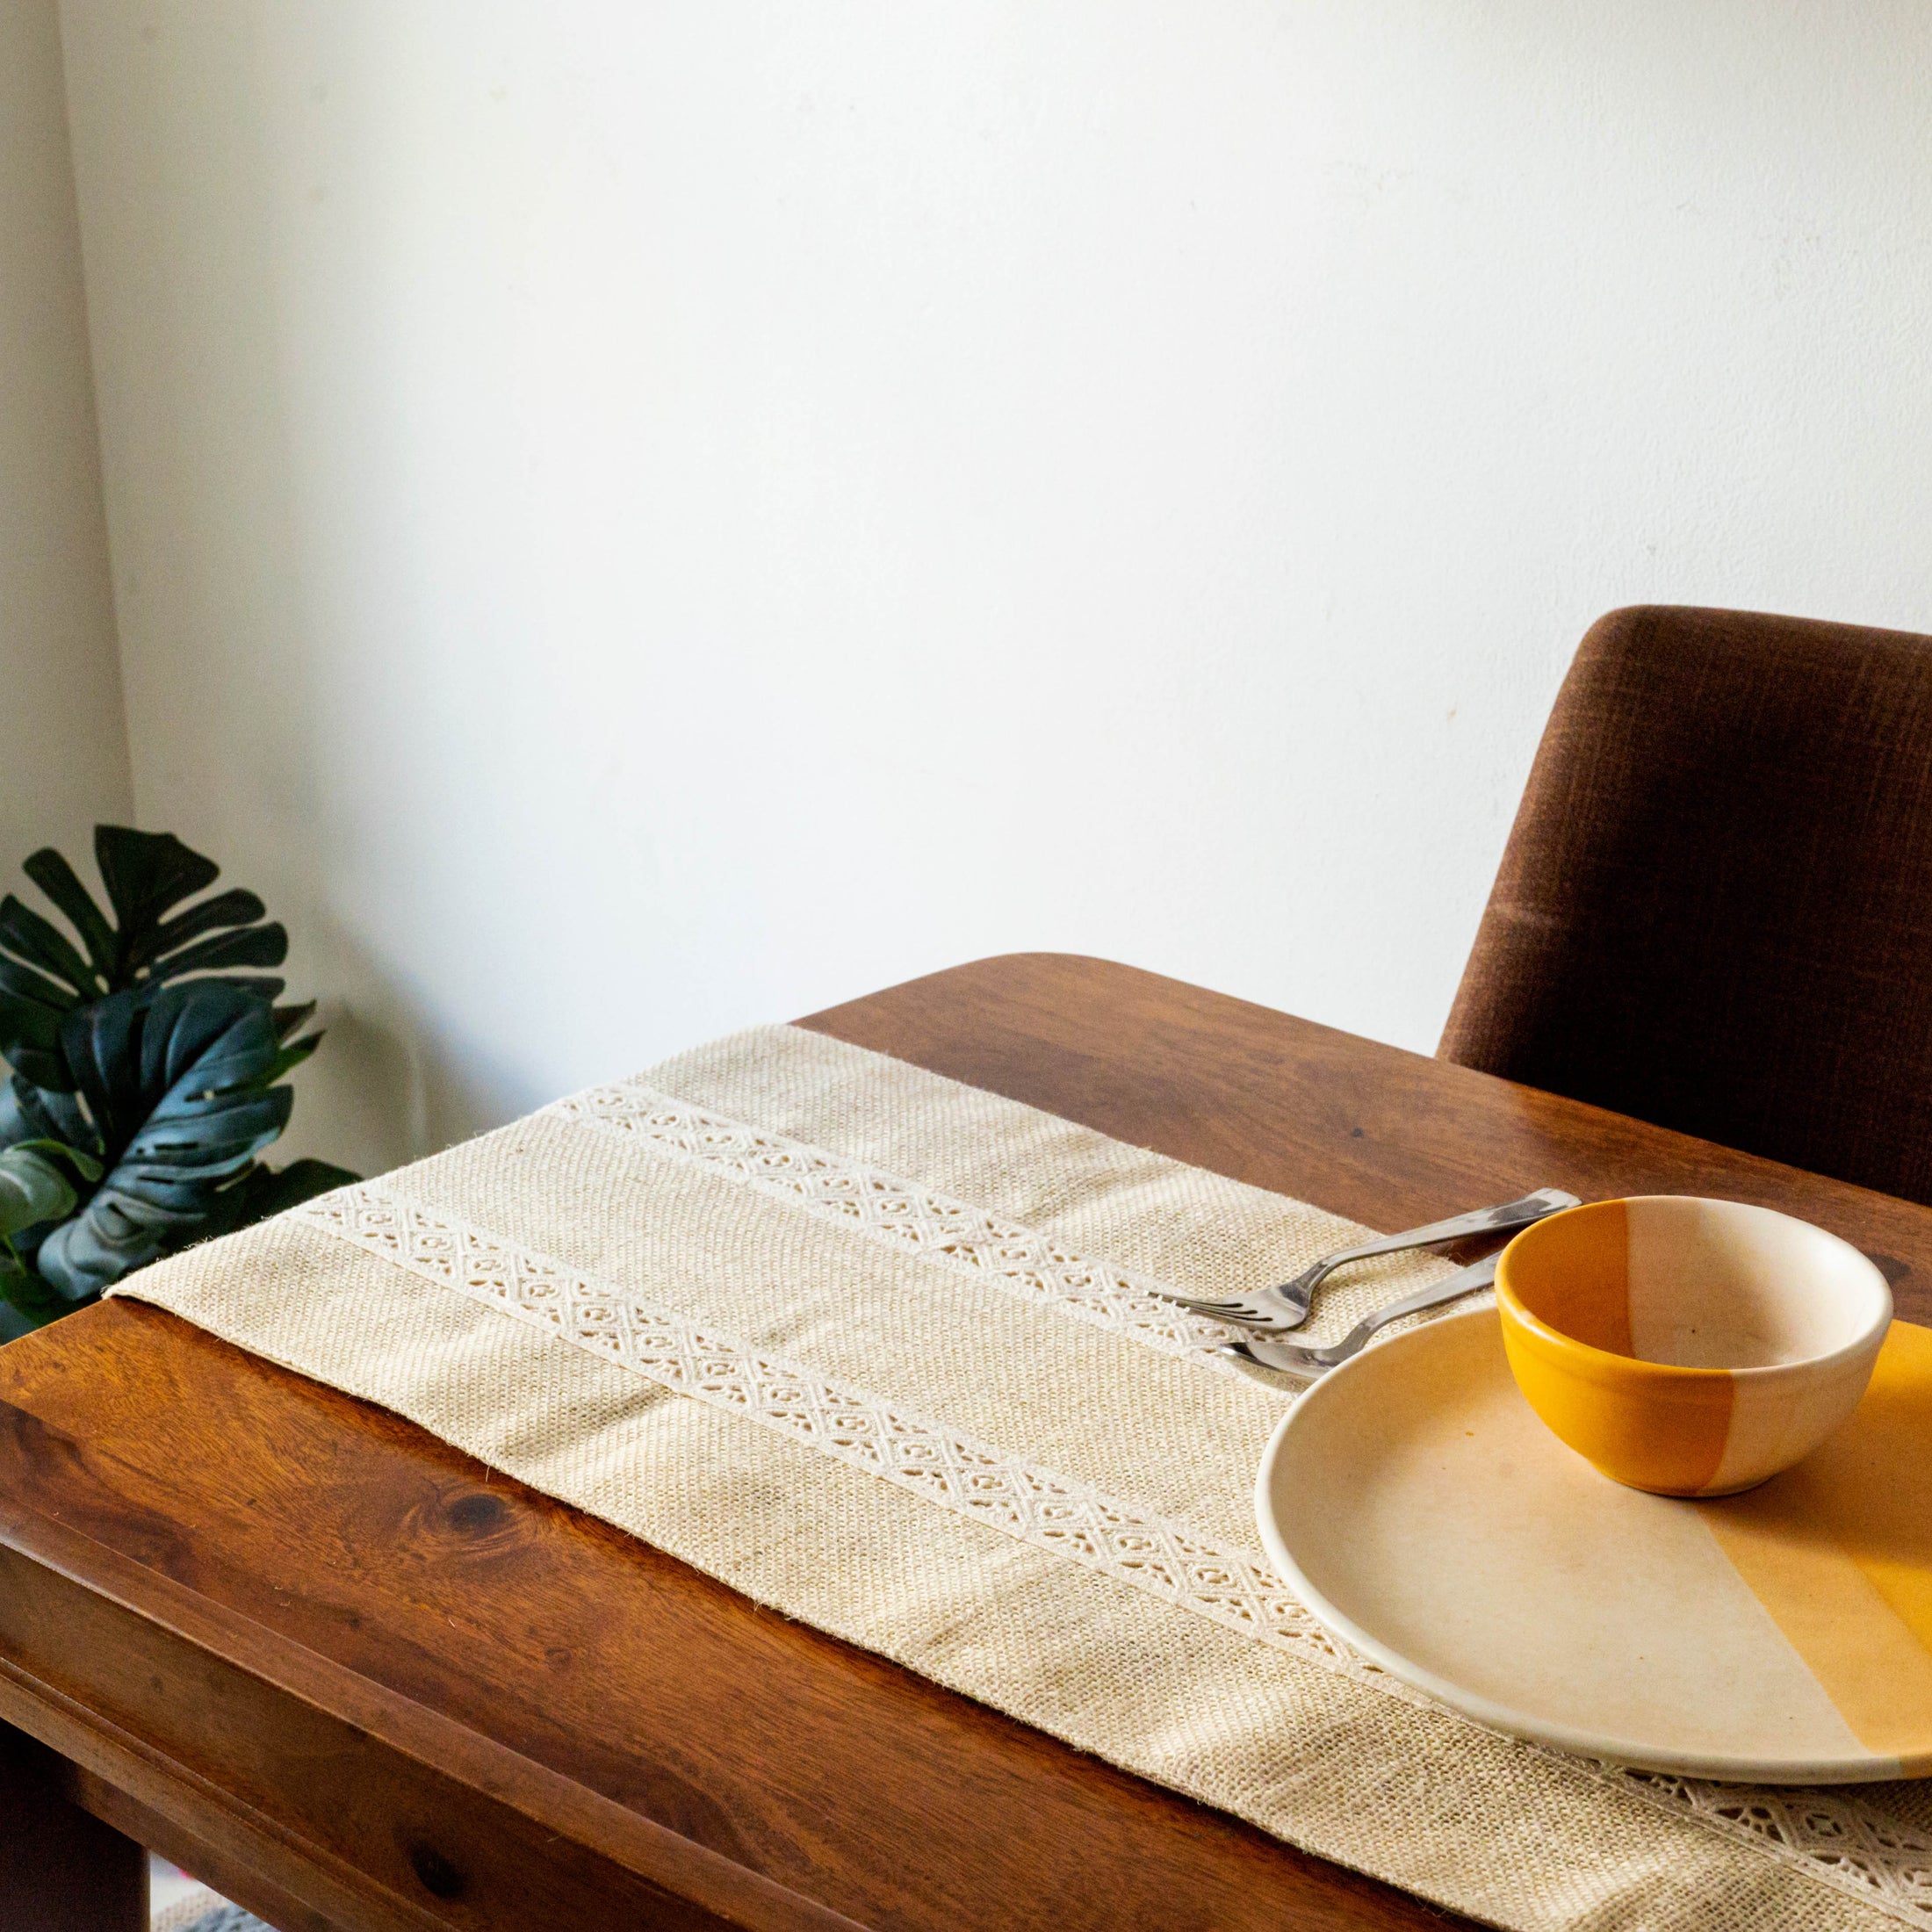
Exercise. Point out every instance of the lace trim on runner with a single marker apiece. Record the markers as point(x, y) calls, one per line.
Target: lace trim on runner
point(905, 1214)
point(1847, 1843)
point(1025, 1502)
point(1840, 1842)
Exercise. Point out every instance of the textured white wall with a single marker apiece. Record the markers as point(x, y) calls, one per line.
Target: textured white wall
point(63, 743)
point(634, 518)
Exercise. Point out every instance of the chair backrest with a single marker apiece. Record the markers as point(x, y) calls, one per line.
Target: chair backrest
point(1715, 909)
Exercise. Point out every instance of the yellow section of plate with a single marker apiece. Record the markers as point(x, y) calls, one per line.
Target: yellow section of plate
point(1420, 1510)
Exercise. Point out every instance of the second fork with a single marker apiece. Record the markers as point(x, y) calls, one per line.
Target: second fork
point(1273, 1309)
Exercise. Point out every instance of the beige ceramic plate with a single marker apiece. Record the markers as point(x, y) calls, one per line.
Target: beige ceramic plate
point(1785, 1636)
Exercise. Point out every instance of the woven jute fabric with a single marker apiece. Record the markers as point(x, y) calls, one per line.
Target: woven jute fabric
point(880, 1350)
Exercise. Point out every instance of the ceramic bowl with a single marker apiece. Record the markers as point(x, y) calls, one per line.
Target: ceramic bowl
point(1688, 1347)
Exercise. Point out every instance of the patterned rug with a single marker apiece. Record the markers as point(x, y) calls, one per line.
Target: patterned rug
point(204, 1911)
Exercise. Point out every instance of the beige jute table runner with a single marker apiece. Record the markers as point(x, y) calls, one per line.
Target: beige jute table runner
point(881, 1351)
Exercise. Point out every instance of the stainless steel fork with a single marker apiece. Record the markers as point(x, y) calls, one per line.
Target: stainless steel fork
point(1271, 1310)
point(1302, 1359)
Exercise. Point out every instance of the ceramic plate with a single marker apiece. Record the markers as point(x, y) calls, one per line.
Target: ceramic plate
point(1783, 1636)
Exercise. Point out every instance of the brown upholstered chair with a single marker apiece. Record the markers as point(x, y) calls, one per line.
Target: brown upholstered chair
point(1715, 909)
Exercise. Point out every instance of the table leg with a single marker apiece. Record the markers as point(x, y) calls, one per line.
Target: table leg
point(61, 1869)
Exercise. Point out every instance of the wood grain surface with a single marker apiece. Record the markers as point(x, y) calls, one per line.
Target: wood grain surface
point(361, 1681)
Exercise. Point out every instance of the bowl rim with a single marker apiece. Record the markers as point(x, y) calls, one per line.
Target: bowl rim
point(1514, 1310)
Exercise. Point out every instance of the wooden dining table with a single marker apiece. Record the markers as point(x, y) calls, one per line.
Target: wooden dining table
point(355, 1679)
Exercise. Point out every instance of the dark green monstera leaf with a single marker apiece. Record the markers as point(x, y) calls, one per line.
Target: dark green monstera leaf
point(35, 1184)
point(135, 1044)
point(29, 1112)
point(37, 1190)
point(44, 976)
point(176, 1085)
point(262, 1191)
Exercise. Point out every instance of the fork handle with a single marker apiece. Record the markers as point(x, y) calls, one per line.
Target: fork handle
point(1480, 1221)
point(1302, 1359)
point(1479, 1274)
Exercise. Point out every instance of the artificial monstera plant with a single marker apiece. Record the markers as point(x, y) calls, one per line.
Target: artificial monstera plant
point(146, 1073)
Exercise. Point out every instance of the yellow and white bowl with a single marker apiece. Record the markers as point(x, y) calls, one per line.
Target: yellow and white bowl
point(1688, 1347)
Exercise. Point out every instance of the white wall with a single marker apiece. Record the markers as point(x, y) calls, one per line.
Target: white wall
point(631, 519)
point(63, 742)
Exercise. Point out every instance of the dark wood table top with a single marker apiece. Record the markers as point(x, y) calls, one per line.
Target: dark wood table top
point(357, 1680)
